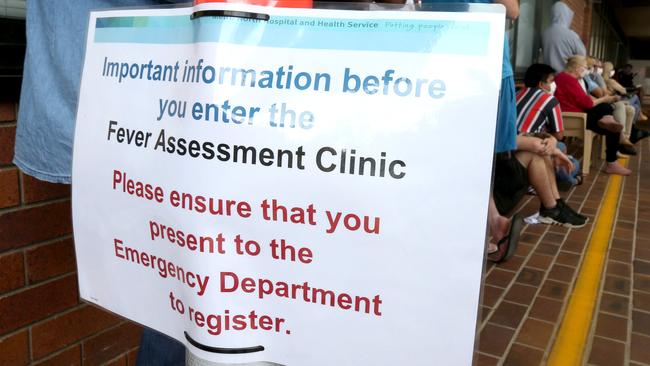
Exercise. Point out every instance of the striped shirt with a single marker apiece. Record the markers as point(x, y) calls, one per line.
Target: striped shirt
point(538, 111)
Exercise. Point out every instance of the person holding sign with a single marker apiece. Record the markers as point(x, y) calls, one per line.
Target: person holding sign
point(504, 232)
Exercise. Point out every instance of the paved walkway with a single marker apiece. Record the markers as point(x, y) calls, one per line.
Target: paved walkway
point(526, 298)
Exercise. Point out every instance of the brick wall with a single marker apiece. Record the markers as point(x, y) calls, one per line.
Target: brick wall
point(581, 18)
point(42, 320)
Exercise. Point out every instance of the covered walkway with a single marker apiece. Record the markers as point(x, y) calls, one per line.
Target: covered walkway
point(581, 296)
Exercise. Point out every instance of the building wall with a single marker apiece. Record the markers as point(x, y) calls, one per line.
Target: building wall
point(42, 320)
point(581, 18)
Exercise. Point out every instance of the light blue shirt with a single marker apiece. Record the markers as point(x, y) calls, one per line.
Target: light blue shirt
point(56, 37)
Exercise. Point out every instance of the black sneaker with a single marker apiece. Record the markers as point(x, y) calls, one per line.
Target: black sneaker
point(637, 135)
point(564, 206)
point(627, 149)
point(558, 216)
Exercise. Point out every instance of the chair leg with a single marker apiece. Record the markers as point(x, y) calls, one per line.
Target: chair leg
point(586, 152)
point(603, 147)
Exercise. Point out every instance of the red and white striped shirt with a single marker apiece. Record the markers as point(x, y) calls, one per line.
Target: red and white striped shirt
point(538, 111)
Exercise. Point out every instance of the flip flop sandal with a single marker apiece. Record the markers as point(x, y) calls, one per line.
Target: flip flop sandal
point(511, 239)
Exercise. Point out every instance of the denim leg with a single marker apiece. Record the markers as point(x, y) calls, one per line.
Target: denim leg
point(157, 349)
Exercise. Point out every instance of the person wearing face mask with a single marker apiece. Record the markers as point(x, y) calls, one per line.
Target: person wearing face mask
point(588, 83)
point(623, 112)
point(597, 75)
point(539, 114)
point(614, 87)
point(537, 155)
point(599, 111)
point(537, 109)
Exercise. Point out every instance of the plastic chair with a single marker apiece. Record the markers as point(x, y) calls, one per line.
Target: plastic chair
point(575, 125)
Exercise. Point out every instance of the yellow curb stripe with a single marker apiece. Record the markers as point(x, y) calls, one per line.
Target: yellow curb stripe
point(570, 342)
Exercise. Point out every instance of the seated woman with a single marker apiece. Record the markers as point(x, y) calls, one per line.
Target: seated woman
point(613, 88)
point(573, 98)
point(623, 112)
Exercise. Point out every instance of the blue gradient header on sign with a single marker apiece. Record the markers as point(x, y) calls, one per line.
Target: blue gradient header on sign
point(399, 35)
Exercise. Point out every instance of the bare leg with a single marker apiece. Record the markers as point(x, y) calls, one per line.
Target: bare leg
point(538, 177)
point(550, 173)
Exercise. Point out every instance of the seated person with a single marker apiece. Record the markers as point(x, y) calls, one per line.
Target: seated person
point(573, 98)
point(625, 77)
point(538, 112)
point(614, 88)
point(537, 109)
point(532, 164)
point(623, 113)
point(597, 75)
point(588, 83)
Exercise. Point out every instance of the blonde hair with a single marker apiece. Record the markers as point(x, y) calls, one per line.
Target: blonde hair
point(607, 67)
point(574, 62)
point(591, 61)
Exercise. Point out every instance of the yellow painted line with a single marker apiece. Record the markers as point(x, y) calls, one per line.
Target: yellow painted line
point(570, 342)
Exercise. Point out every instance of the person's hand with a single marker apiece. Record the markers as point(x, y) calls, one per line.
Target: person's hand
point(542, 146)
point(614, 98)
point(561, 161)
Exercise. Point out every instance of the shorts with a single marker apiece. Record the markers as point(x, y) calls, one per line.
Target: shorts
point(510, 182)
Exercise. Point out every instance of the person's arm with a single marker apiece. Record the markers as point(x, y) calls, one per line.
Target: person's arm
point(512, 8)
point(561, 161)
point(581, 98)
point(598, 92)
point(555, 124)
point(606, 99)
point(535, 145)
point(580, 47)
point(615, 86)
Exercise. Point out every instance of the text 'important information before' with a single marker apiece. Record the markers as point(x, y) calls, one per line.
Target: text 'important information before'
point(284, 190)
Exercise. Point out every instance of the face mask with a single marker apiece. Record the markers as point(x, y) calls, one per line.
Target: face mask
point(553, 88)
point(599, 70)
point(611, 73)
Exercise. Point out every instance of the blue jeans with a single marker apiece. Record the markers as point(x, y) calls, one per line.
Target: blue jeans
point(157, 349)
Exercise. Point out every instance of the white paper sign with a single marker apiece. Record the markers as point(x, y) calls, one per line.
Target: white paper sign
point(307, 190)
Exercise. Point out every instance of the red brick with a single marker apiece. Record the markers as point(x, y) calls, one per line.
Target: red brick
point(484, 360)
point(35, 190)
point(494, 339)
point(606, 352)
point(9, 192)
point(68, 357)
point(521, 355)
point(110, 344)
point(7, 112)
point(640, 348)
point(14, 350)
point(69, 328)
point(50, 260)
point(7, 143)
point(37, 303)
point(508, 314)
point(121, 361)
point(24, 227)
point(12, 272)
